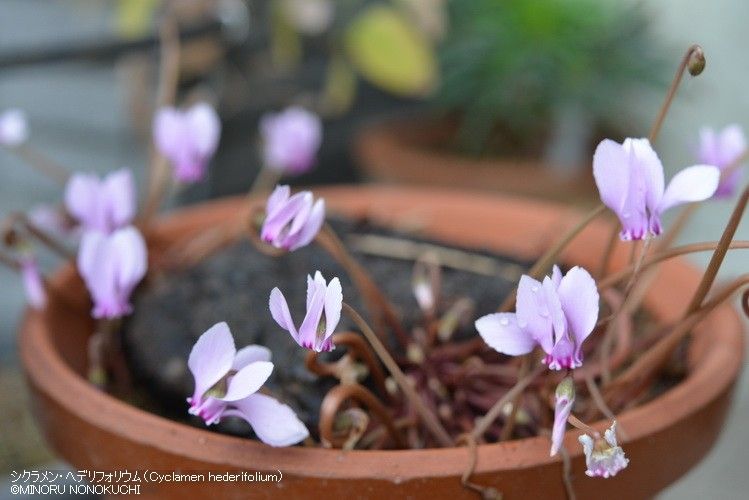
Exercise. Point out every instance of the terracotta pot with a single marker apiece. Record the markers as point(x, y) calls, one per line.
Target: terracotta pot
point(666, 436)
point(414, 151)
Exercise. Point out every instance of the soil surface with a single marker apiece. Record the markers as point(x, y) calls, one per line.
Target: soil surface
point(174, 309)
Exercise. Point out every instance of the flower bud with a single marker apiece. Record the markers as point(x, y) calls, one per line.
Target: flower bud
point(696, 63)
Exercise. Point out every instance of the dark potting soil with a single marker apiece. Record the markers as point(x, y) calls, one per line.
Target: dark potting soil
point(174, 309)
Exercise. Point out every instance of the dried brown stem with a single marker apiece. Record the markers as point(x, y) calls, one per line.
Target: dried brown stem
point(430, 420)
point(663, 111)
point(379, 306)
point(486, 492)
point(525, 366)
point(719, 254)
point(544, 263)
point(337, 396)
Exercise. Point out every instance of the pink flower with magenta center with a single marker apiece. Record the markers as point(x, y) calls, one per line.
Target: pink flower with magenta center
point(630, 181)
point(292, 222)
point(291, 139)
point(188, 139)
point(556, 315)
point(324, 303)
point(226, 385)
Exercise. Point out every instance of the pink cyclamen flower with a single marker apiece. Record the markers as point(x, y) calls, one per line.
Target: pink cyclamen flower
point(188, 139)
point(722, 149)
point(101, 205)
point(557, 315)
point(324, 302)
point(564, 400)
point(14, 129)
point(292, 222)
point(603, 457)
point(226, 385)
point(32, 282)
point(112, 265)
point(629, 177)
point(291, 139)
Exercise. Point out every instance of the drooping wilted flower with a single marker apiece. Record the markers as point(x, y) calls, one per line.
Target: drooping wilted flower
point(292, 222)
point(112, 265)
point(188, 139)
point(33, 284)
point(565, 399)
point(721, 149)
point(324, 302)
point(226, 385)
point(630, 181)
point(603, 457)
point(101, 205)
point(557, 315)
point(14, 129)
point(291, 139)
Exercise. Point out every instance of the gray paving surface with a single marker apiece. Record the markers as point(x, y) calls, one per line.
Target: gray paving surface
point(78, 115)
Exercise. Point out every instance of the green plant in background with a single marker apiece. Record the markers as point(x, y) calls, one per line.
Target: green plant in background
point(509, 66)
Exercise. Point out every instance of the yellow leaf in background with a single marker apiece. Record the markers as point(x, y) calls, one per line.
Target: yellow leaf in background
point(134, 17)
point(339, 90)
point(390, 53)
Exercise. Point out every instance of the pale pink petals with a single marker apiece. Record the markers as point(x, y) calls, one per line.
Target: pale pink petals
point(721, 149)
point(557, 318)
point(564, 401)
point(101, 204)
point(603, 458)
point(292, 222)
point(274, 423)
point(226, 385)
point(111, 266)
point(14, 129)
point(324, 304)
point(630, 181)
point(188, 139)
point(33, 284)
point(291, 139)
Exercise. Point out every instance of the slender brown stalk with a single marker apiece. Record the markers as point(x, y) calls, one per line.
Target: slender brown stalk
point(719, 254)
point(544, 263)
point(487, 420)
point(264, 181)
point(567, 474)
point(579, 424)
point(656, 258)
point(42, 164)
point(663, 111)
point(430, 420)
point(525, 366)
point(339, 394)
point(486, 492)
point(45, 238)
point(379, 306)
point(610, 246)
point(159, 172)
point(653, 359)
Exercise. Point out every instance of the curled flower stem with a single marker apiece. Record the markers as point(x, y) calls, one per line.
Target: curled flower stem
point(719, 254)
point(486, 492)
point(544, 263)
point(339, 394)
point(663, 111)
point(654, 358)
point(487, 420)
point(379, 306)
point(159, 176)
point(358, 349)
point(427, 416)
point(41, 163)
point(656, 258)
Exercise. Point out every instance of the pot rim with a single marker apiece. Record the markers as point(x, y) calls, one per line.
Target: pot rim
point(720, 342)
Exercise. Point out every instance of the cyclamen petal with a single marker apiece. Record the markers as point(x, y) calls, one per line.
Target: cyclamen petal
point(324, 304)
point(188, 139)
point(32, 283)
point(603, 457)
point(291, 139)
point(556, 318)
point(101, 204)
point(112, 266)
point(630, 181)
point(292, 222)
point(14, 129)
point(565, 399)
point(721, 149)
point(222, 391)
